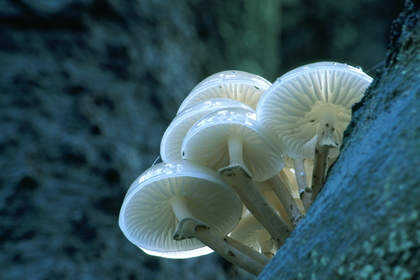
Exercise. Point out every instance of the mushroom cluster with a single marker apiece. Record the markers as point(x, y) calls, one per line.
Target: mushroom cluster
point(242, 162)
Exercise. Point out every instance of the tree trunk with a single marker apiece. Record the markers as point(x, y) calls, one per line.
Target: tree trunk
point(365, 224)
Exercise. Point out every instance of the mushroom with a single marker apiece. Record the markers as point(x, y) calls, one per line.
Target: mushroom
point(170, 147)
point(175, 210)
point(230, 141)
point(308, 109)
point(303, 199)
point(283, 199)
point(249, 230)
point(252, 234)
point(232, 84)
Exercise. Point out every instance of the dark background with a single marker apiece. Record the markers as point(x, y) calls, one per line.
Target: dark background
point(87, 88)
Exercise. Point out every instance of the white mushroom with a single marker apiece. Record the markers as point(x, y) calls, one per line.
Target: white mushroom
point(279, 188)
point(170, 147)
point(308, 109)
point(237, 85)
point(175, 210)
point(230, 142)
point(252, 234)
point(249, 230)
point(231, 137)
point(304, 175)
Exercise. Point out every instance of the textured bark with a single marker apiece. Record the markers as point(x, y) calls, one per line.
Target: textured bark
point(366, 222)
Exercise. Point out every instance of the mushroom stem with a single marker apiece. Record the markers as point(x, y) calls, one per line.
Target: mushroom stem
point(320, 169)
point(279, 186)
point(325, 142)
point(302, 181)
point(235, 147)
point(258, 205)
point(327, 137)
point(190, 227)
point(179, 205)
point(261, 258)
point(326, 129)
point(195, 229)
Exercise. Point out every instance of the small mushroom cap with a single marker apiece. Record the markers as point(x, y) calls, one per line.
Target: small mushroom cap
point(233, 84)
point(207, 142)
point(147, 218)
point(292, 107)
point(251, 233)
point(248, 226)
point(170, 147)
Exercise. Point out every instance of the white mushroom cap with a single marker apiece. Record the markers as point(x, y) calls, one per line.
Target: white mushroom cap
point(207, 143)
point(170, 146)
point(238, 85)
point(252, 234)
point(300, 100)
point(148, 220)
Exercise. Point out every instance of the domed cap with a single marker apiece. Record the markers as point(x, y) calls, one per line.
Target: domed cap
point(238, 85)
point(252, 234)
point(148, 220)
point(295, 107)
point(170, 146)
point(207, 143)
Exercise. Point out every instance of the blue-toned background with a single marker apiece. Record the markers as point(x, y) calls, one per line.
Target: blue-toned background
point(87, 88)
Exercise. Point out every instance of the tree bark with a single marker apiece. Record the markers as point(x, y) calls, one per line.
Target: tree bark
point(365, 224)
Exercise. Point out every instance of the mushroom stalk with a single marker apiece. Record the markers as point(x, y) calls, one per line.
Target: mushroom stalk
point(235, 148)
point(258, 205)
point(279, 186)
point(302, 181)
point(284, 178)
point(191, 228)
point(320, 169)
point(325, 142)
point(240, 178)
point(261, 258)
point(180, 207)
point(326, 129)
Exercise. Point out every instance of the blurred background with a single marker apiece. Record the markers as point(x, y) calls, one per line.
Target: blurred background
point(88, 87)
